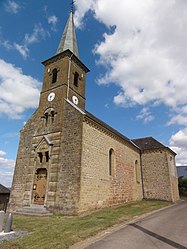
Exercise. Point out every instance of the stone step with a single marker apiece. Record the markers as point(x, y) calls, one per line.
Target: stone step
point(33, 210)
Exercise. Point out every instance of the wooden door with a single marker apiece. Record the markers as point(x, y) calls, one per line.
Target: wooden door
point(39, 188)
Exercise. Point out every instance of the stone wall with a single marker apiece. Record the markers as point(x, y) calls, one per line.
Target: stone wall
point(157, 176)
point(68, 186)
point(173, 176)
point(22, 165)
point(98, 187)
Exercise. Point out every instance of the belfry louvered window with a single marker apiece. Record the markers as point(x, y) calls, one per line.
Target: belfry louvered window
point(54, 75)
point(76, 79)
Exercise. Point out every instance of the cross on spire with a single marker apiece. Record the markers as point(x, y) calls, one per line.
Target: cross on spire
point(72, 5)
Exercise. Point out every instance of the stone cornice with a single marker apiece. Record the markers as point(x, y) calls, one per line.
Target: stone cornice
point(158, 149)
point(66, 53)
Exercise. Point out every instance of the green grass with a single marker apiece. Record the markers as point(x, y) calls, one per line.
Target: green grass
point(60, 232)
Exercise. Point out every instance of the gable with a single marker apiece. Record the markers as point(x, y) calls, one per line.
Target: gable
point(44, 143)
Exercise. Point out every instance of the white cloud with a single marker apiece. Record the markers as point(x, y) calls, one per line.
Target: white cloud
point(6, 44)
point(145, 115)
point(38, 34)
point(82, 7)
point(22, 49)
point(145, 54)
point(6, 169)
point(178, 143)
point(18, 91)
point(2, 153)
point(180, 116)
point(52, 20)
point(179, 119)
point(107, 106)
point(6, 178)
point(12, 7)
point(9, 163)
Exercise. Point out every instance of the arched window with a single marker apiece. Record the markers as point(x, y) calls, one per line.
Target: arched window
point(40, 155)
point(47, 156)
point(52, 116)
point(46, 118)
point(76, 79)
point(54, 75)
point(111, 162)
point(49, 116)
point(137, 171)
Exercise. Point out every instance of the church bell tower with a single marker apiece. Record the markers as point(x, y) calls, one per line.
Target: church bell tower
point(64, 73)
point(48, 164)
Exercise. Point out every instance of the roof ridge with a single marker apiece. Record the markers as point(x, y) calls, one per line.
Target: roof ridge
point(143, 138)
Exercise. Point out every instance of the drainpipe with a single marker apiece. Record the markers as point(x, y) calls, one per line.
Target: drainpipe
point(141, 168)
point(69, 68)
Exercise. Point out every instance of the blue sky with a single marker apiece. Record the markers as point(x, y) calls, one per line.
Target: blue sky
point(136, 51)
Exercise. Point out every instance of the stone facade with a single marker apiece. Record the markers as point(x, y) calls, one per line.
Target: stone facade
point(158, 181)
point(69, 174)
point(98, 187)
point(55, 131)
point(71, 162)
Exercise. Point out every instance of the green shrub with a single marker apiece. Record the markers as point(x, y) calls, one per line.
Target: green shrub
point(182, 186)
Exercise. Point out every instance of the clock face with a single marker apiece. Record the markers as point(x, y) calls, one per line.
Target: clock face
point(75, 100)
point(51, 96)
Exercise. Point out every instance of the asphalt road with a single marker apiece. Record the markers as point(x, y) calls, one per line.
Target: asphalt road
point(165, 229)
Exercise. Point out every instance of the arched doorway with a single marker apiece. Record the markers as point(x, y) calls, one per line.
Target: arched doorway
point(39, 186)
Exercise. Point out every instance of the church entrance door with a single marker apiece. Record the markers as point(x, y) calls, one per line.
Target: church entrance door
point(39, 187)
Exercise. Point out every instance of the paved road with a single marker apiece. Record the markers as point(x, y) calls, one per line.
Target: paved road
point(165, 229)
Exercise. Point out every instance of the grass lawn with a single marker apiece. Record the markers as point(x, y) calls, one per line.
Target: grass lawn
point(60, 231)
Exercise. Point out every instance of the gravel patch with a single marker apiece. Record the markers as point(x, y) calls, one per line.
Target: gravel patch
point(12, 236)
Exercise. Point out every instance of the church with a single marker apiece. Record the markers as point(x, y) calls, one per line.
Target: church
point(69, 161)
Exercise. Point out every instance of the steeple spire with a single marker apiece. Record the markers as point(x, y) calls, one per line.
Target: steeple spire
point(68, 40)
